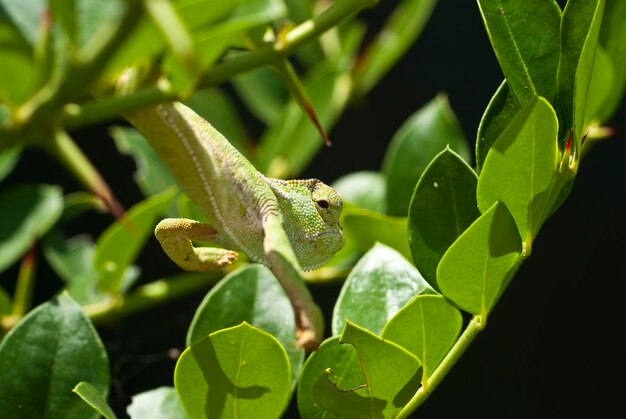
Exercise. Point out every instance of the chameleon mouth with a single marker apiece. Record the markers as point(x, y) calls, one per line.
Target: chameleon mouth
point(331, 232)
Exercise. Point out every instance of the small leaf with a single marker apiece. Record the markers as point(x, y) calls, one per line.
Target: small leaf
point(580, 29)
point(443, 206)
point(524, 36)
point(18, 75)
point(159, 403)
point(25, 16)
point(215, 381)
point(477, 267)
point(5, 302)
point(251, 294)
point(499, 113)
point(520, 169)
point(8, 160)
point(385, 390)
point(398, 33)
point(51, 349)
point(612, 34)
point(427, 327)
point(338, 357)
point(94, 398)
point(152, 176)
point(380, 284)
point(424, 135)
point(28, 211)
point(119, 245)
point(364, 189)
point(364, 228)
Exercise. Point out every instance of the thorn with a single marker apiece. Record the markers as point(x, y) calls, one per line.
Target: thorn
point(568, 145)
point(311, 112)
point(582, 141)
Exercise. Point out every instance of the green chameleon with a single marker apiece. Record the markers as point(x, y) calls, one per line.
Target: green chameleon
point(281, 224)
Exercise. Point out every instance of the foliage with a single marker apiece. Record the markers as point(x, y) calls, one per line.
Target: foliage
point(427, 238)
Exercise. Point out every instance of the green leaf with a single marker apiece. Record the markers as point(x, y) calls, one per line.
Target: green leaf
point(94, 398)
point(8, 160)
point(215, 381)
point(215, 106)
point(385, 390)
point(612, 34)
point(364, 228)
point(601, 87)
point(499, 113)
point(251, 294)
point(378, 286)
point(364, 189)
point(18, 72)
point(524, 36)
point(427, 327)
point(121, 242)
point(28, 211)
point(443, 206)
point(477, 267)
point(26, 15)
point(398, 33)
point(424, 135)
point(159, 403)
point(520, 169)
point(263, 92)
point(338, 357)
point(288, 146)
point(50, 350)
point(580, 29)
point(152, 176)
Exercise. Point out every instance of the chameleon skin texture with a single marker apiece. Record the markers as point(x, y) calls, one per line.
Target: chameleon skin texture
point(234, 196)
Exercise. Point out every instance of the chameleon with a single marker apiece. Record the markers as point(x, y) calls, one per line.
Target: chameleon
point(283, 224)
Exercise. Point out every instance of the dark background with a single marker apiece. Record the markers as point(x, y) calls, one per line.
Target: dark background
point(552, 347)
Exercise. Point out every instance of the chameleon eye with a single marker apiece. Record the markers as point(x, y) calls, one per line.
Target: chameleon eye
point(323, 203)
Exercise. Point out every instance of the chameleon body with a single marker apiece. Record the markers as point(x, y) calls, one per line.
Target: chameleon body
point(282, 224)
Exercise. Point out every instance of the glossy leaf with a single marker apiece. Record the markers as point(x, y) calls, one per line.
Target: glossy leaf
point(364, 189)
point(343, 359)
point(580, 29)
point(499, 113)
point(424, 135)
point(520, 169)
point(385, 390)
point(398, 33)
point(26, 16)
point(151, 175)
point(119, 245)
point(94, 398)
point(251, 294)
point(8, 160)
point(159, 403)
point(18, 72)
point(380, 284)
point(215, 381)
point(524, 37)
point(28, 211)
point(601, 87)
point(367, 227)
point(287, 147)
point(477, 267)
point(427, 327)
point(612, 35)
point(443, 206)
point(44, 356)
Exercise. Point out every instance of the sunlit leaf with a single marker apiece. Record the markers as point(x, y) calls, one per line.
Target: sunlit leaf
point(94, 398)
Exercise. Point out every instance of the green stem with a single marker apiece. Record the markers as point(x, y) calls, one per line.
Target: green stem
point(64, 149)
point(23, 296)
point(151, 295)
point(285, 45)
point(469, 334)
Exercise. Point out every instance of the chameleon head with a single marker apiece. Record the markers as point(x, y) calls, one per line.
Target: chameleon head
point(311, 211)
